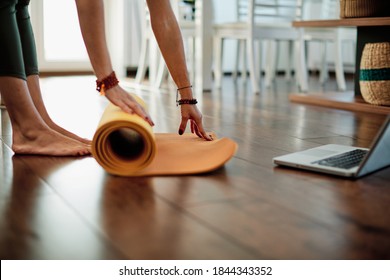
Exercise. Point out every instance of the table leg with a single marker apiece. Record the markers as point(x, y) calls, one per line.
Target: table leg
point(203, 45)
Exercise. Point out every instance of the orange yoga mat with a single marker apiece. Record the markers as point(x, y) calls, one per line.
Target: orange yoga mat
point(125, 145)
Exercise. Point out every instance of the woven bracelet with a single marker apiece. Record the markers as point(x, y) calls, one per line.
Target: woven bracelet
point(184, 101)
point(106, 83)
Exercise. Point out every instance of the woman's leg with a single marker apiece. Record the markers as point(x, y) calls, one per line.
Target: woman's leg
point(11, 62)
point(31, 68)
point(31, 135)
point(35, 92)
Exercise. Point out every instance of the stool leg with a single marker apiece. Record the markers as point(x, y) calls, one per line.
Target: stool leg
point(301, 67)
point(141, 71)
point(339, 65)
point(2, 105)
point(218, 45)
point(162, 73)
point(254, 74)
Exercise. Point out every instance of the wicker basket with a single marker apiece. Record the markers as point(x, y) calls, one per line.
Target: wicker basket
point(374, 78)
point(364, 8)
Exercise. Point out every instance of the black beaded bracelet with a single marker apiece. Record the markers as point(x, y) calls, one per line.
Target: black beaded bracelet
point(187, 101)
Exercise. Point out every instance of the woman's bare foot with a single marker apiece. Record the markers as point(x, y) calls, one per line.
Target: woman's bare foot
point(31, 134)
point(48, 142)
point(36, 95)
point(66, 133)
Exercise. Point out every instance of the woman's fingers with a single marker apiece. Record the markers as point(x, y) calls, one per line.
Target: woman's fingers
point(201, 132)
point(194, 129)
point(127, 103)
point(183, 125)
point(139, 110)
point(190, 112)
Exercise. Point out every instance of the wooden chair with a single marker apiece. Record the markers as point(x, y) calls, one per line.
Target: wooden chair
point(337, 36)
point(147, 36)
point(185, 17)
point(261, 20)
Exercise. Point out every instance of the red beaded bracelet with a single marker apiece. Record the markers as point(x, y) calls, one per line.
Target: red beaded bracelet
point(106, 83)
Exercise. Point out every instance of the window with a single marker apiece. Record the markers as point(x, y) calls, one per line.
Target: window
point(60, 45)
point(62, 35)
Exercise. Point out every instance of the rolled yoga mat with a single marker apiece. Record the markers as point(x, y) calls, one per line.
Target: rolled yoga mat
point(124, 144)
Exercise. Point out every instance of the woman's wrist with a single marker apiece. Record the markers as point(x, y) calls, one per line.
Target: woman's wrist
point(186, 93)
point(106, 83)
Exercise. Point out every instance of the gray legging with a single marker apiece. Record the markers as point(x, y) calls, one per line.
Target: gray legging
point(18, 56)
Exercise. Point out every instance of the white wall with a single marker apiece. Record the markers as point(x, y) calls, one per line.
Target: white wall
point(133, 31)
point(115, 33)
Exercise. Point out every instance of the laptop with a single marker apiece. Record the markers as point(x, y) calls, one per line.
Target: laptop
point(346, 161)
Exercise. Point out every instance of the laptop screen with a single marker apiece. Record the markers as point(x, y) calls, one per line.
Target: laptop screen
point(379, 155)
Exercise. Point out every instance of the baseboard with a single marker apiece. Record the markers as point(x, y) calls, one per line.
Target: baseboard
point(65, 73)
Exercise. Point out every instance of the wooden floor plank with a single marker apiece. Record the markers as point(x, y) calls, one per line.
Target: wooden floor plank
point(35, 223)
point(128, 214)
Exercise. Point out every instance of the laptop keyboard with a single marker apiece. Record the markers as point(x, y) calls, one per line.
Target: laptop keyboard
point(345, 161)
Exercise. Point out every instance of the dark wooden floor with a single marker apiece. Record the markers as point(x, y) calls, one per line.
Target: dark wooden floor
point(69, 208)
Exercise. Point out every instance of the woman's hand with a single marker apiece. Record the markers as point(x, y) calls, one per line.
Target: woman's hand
point(191, 113)
point(119, 97)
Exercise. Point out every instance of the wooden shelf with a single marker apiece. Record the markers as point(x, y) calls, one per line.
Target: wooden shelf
point(369, 30)
point(339, 100)
point(378, 21)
